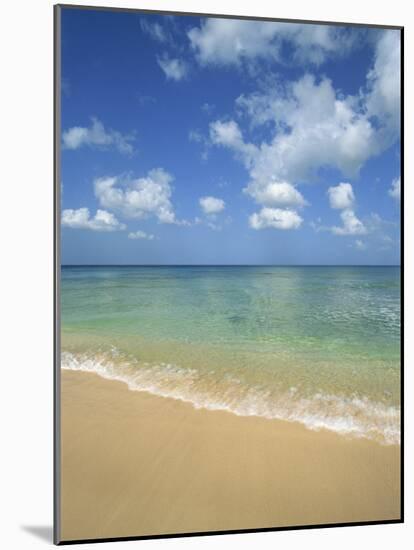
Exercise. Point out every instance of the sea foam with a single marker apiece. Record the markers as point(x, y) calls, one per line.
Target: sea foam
point(352, 416)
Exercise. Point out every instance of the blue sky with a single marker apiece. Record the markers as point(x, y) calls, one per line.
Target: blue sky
point(189, 140)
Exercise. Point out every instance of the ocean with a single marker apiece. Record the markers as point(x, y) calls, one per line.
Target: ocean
point(315, 345)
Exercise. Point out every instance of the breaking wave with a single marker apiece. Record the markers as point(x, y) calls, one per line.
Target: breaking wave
point(348, 415)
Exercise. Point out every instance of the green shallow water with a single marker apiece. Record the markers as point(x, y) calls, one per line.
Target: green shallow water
point(319, 345)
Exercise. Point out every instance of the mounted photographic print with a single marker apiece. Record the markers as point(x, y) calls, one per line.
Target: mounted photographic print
point(228, 280)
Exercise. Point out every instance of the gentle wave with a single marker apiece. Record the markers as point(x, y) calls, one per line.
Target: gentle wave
point(351, 416)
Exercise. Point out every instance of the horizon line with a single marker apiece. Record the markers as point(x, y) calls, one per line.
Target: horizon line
point(230, 265)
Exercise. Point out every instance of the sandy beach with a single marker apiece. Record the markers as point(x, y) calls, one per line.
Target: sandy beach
point(138, 464)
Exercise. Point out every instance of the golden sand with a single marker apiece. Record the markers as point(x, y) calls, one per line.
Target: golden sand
point(134, 464)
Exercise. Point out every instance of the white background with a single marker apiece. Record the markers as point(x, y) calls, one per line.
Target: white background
point(26, 139)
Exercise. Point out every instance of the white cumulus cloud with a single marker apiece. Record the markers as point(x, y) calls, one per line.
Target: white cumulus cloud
point(138, 198)
point(351, 224)
point(211, 205)
point(276, 193)
point(81, 219)
point(275, 218)
point(341, 196)
point(97, 136)
point(264, 189)
point(310, 124)
point(228, 134)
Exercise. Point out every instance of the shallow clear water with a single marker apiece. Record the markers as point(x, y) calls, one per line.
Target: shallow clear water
point(319, 345)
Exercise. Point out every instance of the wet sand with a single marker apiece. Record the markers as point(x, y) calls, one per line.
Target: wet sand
point(134, 464)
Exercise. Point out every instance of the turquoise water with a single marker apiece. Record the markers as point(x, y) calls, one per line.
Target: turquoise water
point(318, 345)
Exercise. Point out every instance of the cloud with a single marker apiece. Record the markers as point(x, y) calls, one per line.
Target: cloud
point(360, 245)
point(154, 30)
point(225, 41)
point(174, 69)
point(80, 219)
point(228, 134)
point(149, 196)
point(351, 224)
point(164, 32)
point(342, 196)
point(385, 234)
point(384, 84)
point(276, 194)
point(195, 136)
point(375, 223)
point(275, 218)
point(208, 108)
point(373, 226)
point(395, 190)
point(211, 205)
point(140, 235)
point(232, 42)
point(96, 136)
point(311, 125)
point(265, 190)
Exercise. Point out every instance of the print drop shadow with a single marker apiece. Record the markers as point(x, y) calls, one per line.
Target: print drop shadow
point(44, 532)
